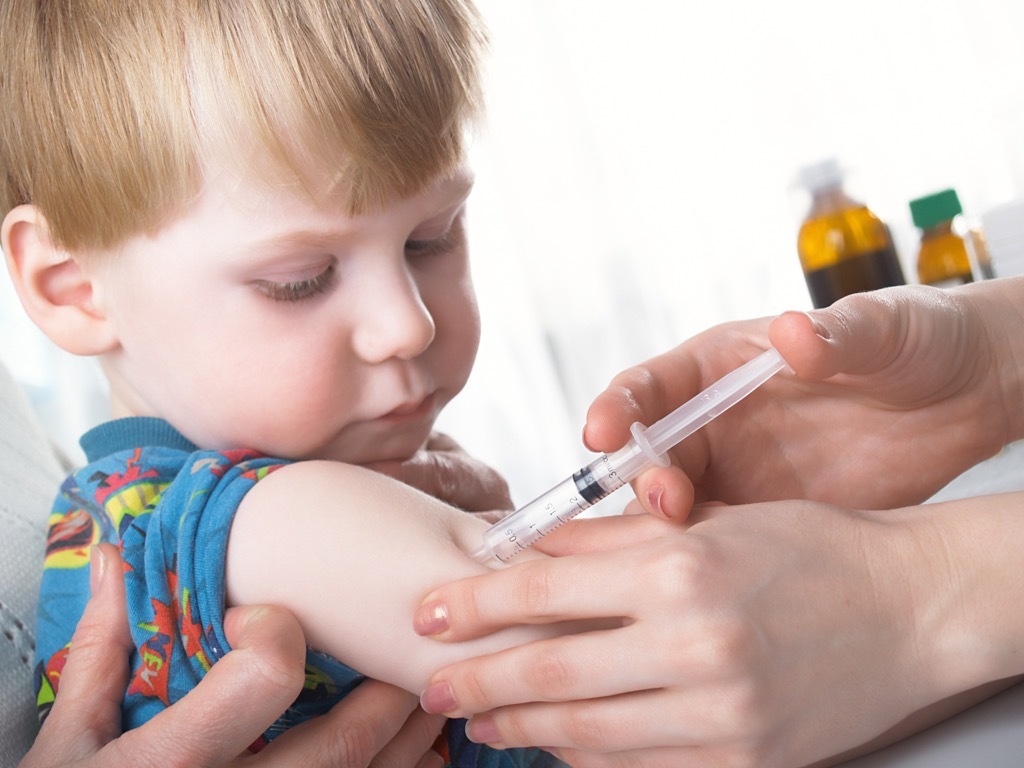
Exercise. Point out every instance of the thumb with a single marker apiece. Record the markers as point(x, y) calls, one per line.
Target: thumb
point(860, 334)
point(87, 713)
point(665, 492)
point(264, 669)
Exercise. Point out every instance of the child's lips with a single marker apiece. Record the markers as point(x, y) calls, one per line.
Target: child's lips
point(411, 411)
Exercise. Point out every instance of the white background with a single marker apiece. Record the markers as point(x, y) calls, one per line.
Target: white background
point(635, 184)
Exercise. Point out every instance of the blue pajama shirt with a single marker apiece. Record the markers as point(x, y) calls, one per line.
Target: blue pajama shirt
point(169, 506)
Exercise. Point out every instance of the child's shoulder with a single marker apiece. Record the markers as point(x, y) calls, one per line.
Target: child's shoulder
point(140, 465)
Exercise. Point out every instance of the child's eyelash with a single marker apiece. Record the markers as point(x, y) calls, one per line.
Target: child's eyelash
point(429, 247)
point(299, 289)
point(436, 245)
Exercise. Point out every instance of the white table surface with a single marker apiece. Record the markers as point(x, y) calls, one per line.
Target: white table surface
point(989, 734)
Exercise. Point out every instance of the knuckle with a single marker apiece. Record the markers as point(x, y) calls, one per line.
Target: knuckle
point(92, 634)
point(586, 729)
point(497, 499)
point(513, 728)
point(498, 488)
point(273, 673)
point(352, 742)
point(538, 592)
point(742, 707)
point(273, 665)
point(465, 609)
point(473, 695)
point(448, 479)
point(553, 677)
point(732, 643)
point(422, 728)
point(625, 385)
point(675, 571)
point(428, 476)
point(441, 441)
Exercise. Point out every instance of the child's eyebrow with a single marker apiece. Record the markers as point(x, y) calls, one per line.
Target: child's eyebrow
point(284, 250)
point(304, 240)
point(303, 237)
point(454, 193)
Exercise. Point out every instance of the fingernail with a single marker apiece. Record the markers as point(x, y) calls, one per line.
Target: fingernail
point(584, 438)
point(482, 730)
point(654, 494)
point(438, 698)
point(97, 568)
point(819, 328)
point(431, 619)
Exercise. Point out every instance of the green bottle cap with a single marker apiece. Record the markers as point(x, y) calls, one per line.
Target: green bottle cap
point(934, 209)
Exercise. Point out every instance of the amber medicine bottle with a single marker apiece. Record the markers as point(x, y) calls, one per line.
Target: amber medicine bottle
point(843, 246)
point(952, 250)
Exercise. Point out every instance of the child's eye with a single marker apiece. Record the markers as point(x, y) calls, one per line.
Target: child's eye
point(420, 248)
point(297, 290)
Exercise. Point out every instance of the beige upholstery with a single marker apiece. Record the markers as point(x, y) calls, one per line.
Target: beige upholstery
point(29, 476)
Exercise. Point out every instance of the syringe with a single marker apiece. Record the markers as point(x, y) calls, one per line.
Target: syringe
point(609, 472)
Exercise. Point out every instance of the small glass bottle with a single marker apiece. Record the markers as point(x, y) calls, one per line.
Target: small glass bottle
point(843, 246)
point(953, 249)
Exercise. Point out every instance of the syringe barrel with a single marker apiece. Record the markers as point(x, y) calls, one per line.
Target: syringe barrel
point(587, 486)
point(627, 462)
point(593, 482)
point(716, 399)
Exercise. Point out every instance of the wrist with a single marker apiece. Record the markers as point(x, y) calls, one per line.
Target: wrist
point(959, 562)
point(997, 307)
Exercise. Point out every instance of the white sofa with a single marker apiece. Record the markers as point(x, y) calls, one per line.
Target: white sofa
point(29, 475)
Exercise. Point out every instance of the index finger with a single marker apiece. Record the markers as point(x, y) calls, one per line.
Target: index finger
point(582, 586)
point(649, 391)
point(643, 393)
point(601, 534)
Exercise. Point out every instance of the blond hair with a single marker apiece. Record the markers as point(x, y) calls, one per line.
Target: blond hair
point(111, 109)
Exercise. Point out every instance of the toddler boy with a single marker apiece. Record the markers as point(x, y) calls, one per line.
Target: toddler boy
point(252, 214)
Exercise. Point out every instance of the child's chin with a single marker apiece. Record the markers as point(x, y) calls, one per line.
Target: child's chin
point(393, 450)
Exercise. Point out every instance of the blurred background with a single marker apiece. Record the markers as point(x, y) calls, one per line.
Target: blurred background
point(637, 183)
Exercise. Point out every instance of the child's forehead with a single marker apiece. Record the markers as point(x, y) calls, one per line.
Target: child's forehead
point(293, 157)
point(293, 201)
point(326, 190)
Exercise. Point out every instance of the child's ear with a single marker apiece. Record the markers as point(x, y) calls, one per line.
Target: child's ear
point(55, 290)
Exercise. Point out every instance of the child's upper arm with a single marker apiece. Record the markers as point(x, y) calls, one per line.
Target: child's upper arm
point(351, 553)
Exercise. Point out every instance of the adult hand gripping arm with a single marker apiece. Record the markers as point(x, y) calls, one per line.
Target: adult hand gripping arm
point(264, 669)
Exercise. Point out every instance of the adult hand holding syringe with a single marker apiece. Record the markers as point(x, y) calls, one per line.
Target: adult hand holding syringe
point(609, 472)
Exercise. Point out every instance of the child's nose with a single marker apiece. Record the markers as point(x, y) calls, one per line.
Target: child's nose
point(395, 322)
